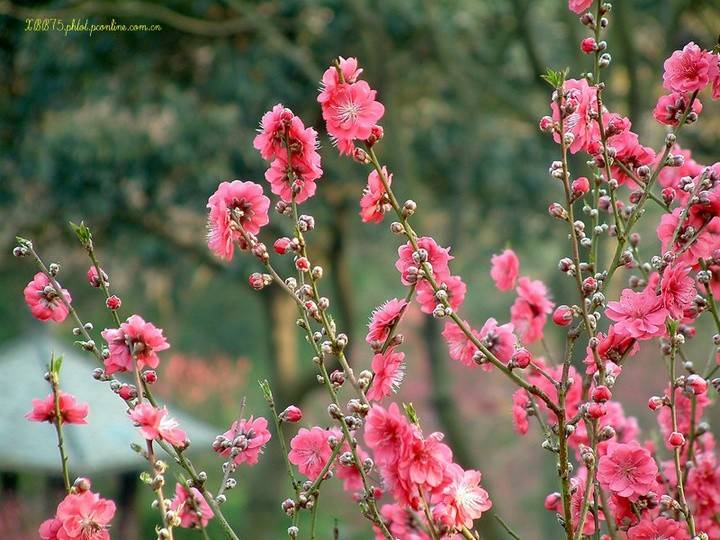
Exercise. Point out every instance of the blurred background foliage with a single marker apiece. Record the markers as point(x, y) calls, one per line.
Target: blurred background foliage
point(131, 132)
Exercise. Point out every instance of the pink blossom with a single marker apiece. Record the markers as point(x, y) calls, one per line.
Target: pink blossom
point(425, 460)
point(346, 72)
point(530, 309)
point(630, 153)
point(191, 507)
point(385, 432)
point(310, 451)
point(460, 347)
point(84, 516)
point(504, 270)
point(297, 176)
point(374, 202)
point(688, 70)
point(627, 470)
point(704, 244)
point(659, 528)
point(579, 123)
point(135, 338)
point(247, 439)
point(389, 370)
point(269, 142)
point(463, 498)
point(671, 108)
point(350, 112)
point(155, 424)
point(71, 411)
point(520, 402)
point(94, 278)
point(44, 301)
point(383, 319)
point(640, 315)
point(437, 257)
point(499, 339)
point(401, 522)
point(453, 285)
point(578, 6)
point(235, 204)
point(677, 290)
point(49, 529)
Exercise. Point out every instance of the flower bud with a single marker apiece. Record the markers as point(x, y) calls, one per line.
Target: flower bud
point(696, 383)
point(282, 245)
point(601, 394)
point(546, 124)
point(113, 303)
point(588, 45)
point(521, 358)
point(291, 414)
point(302, 264)
point(655, 402)
point(676, 439)
point(82, 484)
point(597, 410)
point(563, 316)
point(150, 376)
point(580, 186)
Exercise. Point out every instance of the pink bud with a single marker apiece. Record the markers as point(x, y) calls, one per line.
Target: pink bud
point(557, 211)
point(563, 316)
point(580, 186)
point(521, 358)
point(292, 414)
point(302, 264)
point(594, 148)
point(668, 195)
point(654, 403)
point(127, 392)
point(113, 303)
point(589, 285)
point(82, 484)
point(588, 45)
point(696, 383)
point(150, 376)
point(552, 501)
point(376, 133)
point(256, 281)
point(676, 439)
point(601, 394)
point(92, 277)
point(546, 124)
point(597, 410)
point(282, 245)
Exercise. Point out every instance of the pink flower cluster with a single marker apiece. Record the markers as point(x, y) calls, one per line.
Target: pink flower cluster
point(244, 441)
point(135, 342)
point(348, 104)
point(44, 301)
point(81, 515)
point(292, 149)
point(155, 424)
point(71, 412)
point(416, 468)
point(191, 507)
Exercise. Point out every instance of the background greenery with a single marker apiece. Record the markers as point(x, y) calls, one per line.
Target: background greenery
point(132, 131)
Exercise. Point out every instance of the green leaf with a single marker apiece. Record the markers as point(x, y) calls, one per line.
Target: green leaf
point(411, 413)
point(267, 392)
point(82, 232)
point(56, 364)
point(556, 79)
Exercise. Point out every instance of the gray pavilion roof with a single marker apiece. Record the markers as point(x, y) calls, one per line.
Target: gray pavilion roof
point(101, 446)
